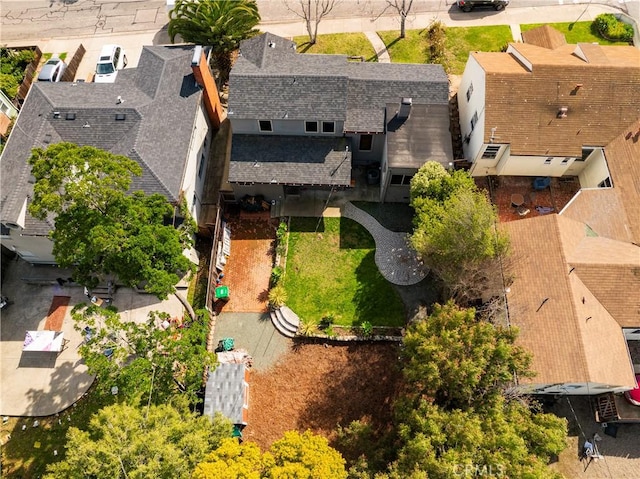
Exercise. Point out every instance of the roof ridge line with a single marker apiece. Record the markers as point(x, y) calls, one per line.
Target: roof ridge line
point(139, 157)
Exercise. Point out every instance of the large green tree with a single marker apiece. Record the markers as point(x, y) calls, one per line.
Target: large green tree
point(496, 439)
point(128, 442)
point(295, 455)
point(220, 24)
point(458, 360)
point(103, 230)
point(455, 232)
point(148, 362)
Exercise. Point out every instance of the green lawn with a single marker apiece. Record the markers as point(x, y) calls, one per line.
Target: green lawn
point(460, 41)
point(352, 44)
point(333, 272)
point(575, 32)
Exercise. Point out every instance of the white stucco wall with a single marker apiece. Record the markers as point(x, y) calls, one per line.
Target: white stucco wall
point(473, 74)
point(191, 183)
point(533, 165)
point(595, 170)
point(34, 249)
point(572, 389)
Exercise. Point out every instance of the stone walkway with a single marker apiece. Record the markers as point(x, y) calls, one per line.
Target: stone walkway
point(379, 47)
point(394, 257)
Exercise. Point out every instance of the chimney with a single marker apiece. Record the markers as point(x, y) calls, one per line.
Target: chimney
point(405, 109)
point(204, 78)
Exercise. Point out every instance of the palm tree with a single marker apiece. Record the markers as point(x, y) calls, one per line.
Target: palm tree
point(221, 24)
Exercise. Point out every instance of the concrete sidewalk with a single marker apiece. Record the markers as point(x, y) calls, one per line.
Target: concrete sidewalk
point(450, 15)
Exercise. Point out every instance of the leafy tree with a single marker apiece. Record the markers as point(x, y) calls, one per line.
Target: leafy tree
point(312, 12)
point(144, 361)
point(455, 231)
point(100, 229)
point(124, 441)
point(13, 64)
point(220, 24)
point(496, 439)
point(231, 460)
point(294, 456)
point(304, 455)
point(460, 361)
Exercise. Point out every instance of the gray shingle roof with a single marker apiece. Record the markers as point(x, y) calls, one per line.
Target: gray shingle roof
point(267, 82)
point(292, 160)
point(225, 392)
point(160, 101)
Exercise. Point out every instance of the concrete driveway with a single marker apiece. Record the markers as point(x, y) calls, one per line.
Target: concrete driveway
point(44, 383)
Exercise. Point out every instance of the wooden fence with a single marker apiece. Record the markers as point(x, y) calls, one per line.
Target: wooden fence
point(73, 64)
point(29, 74)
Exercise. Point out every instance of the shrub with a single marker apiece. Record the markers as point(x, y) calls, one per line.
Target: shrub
point(281, 231)
point(436, 37)
point(277, 296)
point(367, 329)
point(326, 321)
point(276, 275)
point(308, 327)
point(609, 27)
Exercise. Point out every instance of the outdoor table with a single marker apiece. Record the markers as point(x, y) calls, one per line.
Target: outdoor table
point(517, 199)
point(52, 341)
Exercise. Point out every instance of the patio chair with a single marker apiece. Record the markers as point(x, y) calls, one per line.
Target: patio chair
point(522, 210)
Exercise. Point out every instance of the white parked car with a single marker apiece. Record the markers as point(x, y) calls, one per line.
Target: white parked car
point(112, 59)
point(52, 70)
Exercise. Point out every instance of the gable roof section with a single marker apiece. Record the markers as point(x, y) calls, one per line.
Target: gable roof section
point(270, 80)
point(572, 336)
point(159, 100)
point(523, 103)
point(544, 36)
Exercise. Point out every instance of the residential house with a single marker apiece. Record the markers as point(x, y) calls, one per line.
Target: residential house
point(8, 112)
point(161, 114)
point(575, 296)
point(309, 123)
point(547, 108)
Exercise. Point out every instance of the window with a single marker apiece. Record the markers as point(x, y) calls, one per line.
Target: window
point(491, 151)
point(566, 160)
point(606, 183)
point(474, 120)
point(311, 127)
point(366, 142)
point(469, 91)
point(70, 116)
point(201, 165)
point(120, 116)
point(328, 127)
point(548, 161)
point(401, 179)
point(396, 179)
point(586, 151)
point(265, 125)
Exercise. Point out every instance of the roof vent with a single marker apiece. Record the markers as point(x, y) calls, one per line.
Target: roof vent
point(121, 116)
point(272, 44)
point(119, 100)
point(56, 114)
point(562, 112)
point(86, 125)
point(405, 109)
point(70, 116)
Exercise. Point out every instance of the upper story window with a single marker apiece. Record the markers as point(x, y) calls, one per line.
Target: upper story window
point(328, 127)
point(469, 91)
point(548, 160)
point(491, 151)
point(474, 120)
point(311, 127)
point(366, 142)
point(201, 165)
point(606, 183)
point(265, 125)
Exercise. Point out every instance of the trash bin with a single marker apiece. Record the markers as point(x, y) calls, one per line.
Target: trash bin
point(222, 293)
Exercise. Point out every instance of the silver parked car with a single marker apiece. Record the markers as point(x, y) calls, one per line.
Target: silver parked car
point(52, 70)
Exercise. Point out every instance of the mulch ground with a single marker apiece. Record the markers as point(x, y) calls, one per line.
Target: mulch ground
point(316, 387)
point(57, 311)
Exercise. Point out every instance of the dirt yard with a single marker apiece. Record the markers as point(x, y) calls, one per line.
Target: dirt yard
point(317, 387)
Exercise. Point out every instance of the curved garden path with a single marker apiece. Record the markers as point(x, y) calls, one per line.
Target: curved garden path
point(394, 257)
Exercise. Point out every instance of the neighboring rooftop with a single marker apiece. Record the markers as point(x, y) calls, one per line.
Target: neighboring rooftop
point(226, 392)
point(147, 114)
point(527, 85)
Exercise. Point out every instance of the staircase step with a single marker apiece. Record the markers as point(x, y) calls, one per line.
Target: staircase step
point(290, 317)
point(282, 327)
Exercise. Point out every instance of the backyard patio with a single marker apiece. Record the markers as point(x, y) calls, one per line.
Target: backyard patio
point(515, 197)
